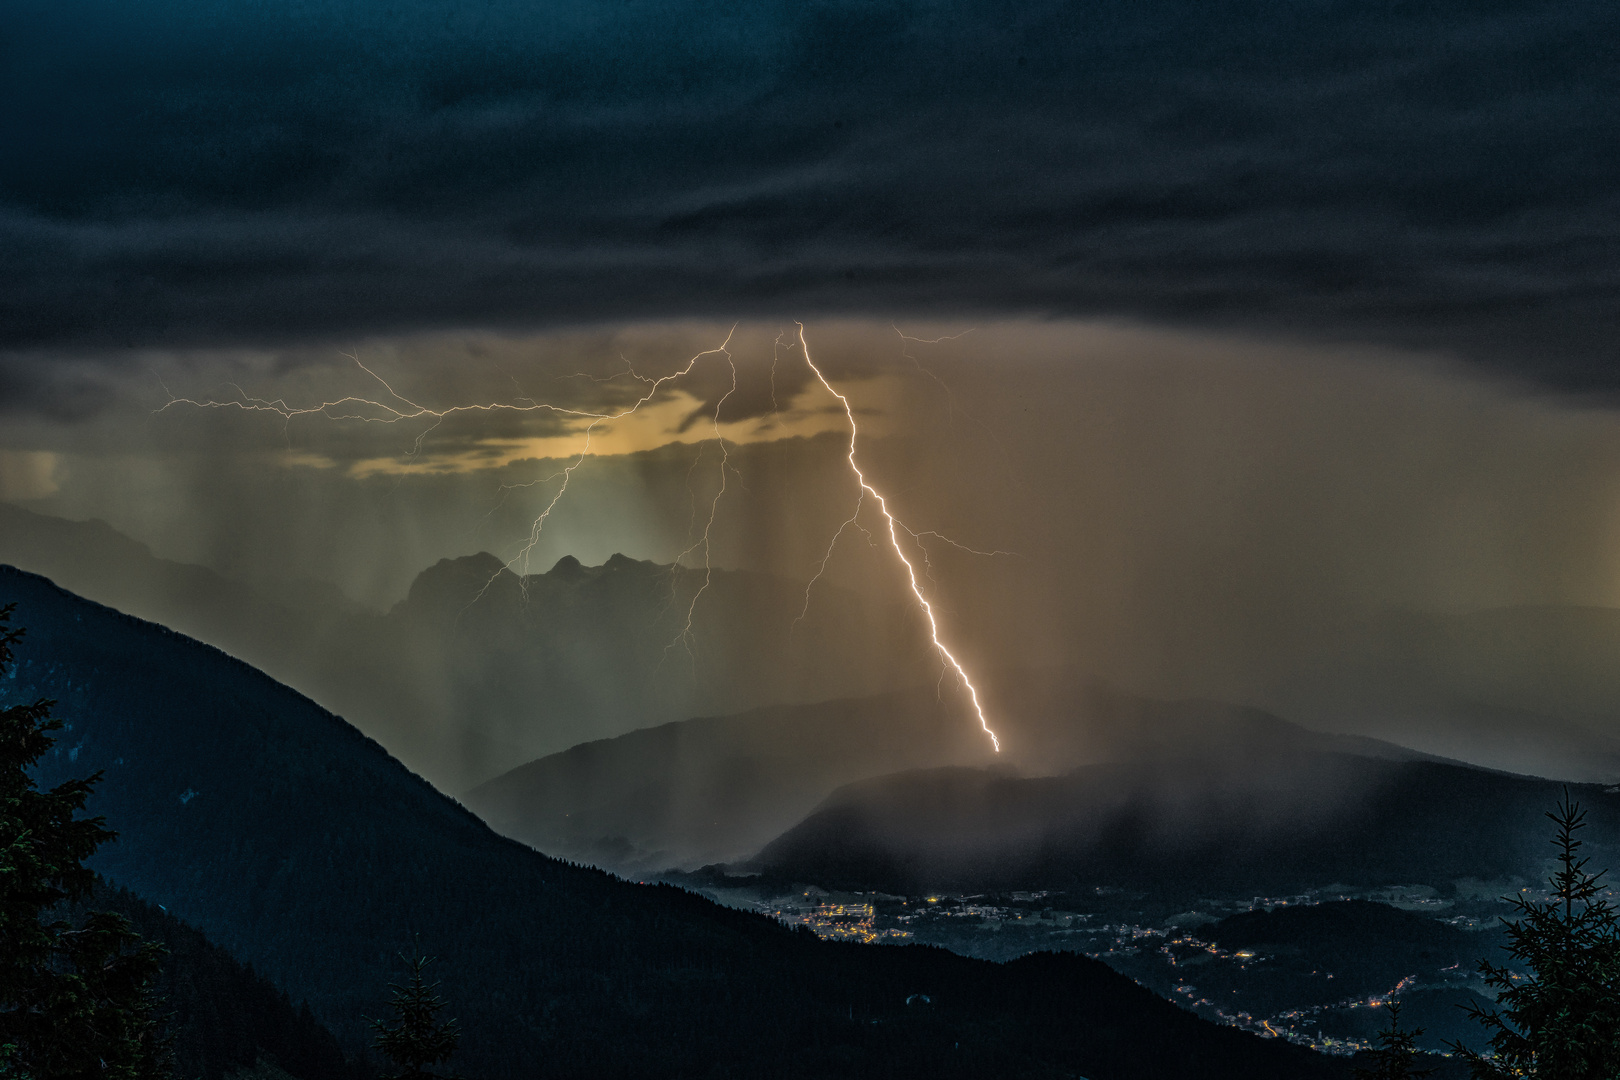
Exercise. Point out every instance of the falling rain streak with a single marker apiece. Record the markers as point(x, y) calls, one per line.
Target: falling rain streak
point(352, 407)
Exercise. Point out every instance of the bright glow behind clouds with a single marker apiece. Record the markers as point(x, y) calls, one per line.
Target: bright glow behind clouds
point(388, 409)
point(1156, 483)
point(28, 474)
point(657, 424)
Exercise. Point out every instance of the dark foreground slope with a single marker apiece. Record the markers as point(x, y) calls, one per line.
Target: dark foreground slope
point(222, 1017)
point(1287, 821)
point(297, 844)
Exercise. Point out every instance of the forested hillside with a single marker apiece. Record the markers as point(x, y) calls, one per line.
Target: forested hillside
point(301, 847)
point(222, 1017)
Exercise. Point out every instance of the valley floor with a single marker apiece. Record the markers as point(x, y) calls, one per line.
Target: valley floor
point(1317, 986)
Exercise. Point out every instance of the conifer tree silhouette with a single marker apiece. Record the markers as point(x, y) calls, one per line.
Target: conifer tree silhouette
point(1559, 1003)
point(415, 1038)
point(75, 1001)
point(1396, 1055)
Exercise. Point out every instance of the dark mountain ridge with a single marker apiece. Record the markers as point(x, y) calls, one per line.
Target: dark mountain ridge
point(1345, 935)
point(1288, 819)
point(462, 692)
point(717, 789)
point(1327, 969)
point(561, 657)
point(295, 842)
point(480, 669)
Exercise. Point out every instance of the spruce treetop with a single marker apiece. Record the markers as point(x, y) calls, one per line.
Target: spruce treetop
point(75, 1000)
point(1558, 998)
point(415, 1039)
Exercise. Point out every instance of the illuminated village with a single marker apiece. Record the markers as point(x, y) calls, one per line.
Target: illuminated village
point(1168, 956)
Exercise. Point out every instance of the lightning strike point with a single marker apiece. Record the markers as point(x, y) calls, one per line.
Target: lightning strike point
point(398, 409)
point(895, 528)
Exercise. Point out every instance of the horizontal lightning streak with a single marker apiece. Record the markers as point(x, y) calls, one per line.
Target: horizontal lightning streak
point(917, 536)
point(350, 407)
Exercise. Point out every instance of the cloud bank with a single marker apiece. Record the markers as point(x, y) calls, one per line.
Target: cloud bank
point(210, 172)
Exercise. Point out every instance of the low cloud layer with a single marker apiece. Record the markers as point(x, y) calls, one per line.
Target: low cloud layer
point(1158, 480)
point(213, 173)
point(1351, 536)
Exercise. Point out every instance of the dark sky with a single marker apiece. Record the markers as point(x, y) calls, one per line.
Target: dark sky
point(224, 172)
point(1281, 313)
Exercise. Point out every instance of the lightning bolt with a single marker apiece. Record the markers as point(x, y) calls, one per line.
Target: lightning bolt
point(905, 351)
point(355, 407)
point(402, 409)
point(685, 636)
point(895, 528)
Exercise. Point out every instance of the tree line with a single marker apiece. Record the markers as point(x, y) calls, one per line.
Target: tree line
point(79, 988)
point(1557, 1014)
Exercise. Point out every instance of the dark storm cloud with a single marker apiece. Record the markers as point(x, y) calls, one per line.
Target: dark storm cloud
point(1439, 174)
point(34, 385)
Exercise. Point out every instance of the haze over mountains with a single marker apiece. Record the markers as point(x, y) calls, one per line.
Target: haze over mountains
point(1188, 824)
point(718, 789)
point(1093, 786)
point(255, 815)
point(478, 670)
point(300, 846)
point(463, 690)
point(558, 444)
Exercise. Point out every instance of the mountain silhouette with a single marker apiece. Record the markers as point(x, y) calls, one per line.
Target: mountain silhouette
point(300, 846)
point(1318, 965)
point(701, 791)
point(520, 661)
point(463, 687)
point(1188, 822)
point(480, 669)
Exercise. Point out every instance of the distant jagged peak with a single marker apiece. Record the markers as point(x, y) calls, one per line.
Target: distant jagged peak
point(483, 562)
point(458, 581)
point(570, 569)
point(483, 577)
point(619, 563)
point(567, 567)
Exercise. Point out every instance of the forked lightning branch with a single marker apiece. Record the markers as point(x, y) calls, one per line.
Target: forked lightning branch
point(396, 408)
